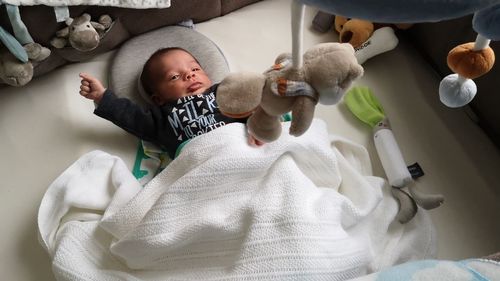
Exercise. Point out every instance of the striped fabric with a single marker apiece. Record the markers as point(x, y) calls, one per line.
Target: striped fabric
point(284, 87)
point(136, 4)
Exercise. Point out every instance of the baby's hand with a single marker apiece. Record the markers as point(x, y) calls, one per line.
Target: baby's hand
point(91, 87)
point(252, 141)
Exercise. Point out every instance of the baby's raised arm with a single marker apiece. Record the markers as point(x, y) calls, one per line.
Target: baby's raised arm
point(91, 87)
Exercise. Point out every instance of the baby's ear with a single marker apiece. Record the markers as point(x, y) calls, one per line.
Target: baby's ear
point(157, 99)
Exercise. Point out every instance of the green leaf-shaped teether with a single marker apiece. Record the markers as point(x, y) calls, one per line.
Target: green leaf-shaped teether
point(363, 104)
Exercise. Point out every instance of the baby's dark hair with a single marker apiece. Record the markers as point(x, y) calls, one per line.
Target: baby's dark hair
point(147, 78)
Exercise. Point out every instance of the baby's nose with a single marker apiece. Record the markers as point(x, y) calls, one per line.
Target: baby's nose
point(190, 75)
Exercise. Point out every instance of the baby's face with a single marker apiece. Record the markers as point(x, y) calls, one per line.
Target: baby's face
point(179, 75)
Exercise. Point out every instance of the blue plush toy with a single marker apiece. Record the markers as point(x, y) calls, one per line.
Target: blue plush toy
point(455, 90)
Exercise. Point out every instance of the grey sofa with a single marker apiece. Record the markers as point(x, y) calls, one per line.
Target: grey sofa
point(41, 23)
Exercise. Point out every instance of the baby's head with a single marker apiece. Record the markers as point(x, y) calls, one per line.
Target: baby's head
point(172, 73)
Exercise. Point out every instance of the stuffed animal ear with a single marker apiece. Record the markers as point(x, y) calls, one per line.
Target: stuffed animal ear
point(58, 42)
point(239, 94)
point(339, 23)
point(97, 26)
point(85, 17)
point(106, 21)
point(69, 21)
point(283, 57)
point(63, 32)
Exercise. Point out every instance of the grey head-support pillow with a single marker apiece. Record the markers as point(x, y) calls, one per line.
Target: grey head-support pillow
point(127, 64)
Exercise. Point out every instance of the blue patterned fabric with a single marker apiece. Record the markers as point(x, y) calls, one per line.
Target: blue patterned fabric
point(439, 270)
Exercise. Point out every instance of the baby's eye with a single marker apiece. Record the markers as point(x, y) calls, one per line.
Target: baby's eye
point(175, 77)
point(195, 69)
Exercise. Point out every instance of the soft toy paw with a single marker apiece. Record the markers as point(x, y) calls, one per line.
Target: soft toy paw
point(17, 73)
point(82, 33)
point(36, 52)
point(328, 71)
point(12, 71)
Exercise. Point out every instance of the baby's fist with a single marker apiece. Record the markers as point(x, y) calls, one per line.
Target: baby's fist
point(91, 87)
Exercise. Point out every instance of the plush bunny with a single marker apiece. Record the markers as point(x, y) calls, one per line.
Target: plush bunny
point(81, 33)
point(327, 72)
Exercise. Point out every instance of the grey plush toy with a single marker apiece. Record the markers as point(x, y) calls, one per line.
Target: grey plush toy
point(82, 33)
point(327, 72)
point(15, 72)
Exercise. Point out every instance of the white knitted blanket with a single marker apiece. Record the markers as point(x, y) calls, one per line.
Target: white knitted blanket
point(297, 209)
point(135, 4)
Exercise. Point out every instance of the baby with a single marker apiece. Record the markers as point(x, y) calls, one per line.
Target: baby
point(183, 95)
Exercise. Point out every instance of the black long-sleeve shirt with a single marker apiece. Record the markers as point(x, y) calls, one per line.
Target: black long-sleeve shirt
point(169, 125)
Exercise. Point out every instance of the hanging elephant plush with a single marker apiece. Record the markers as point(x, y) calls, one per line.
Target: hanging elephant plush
point(81, 33)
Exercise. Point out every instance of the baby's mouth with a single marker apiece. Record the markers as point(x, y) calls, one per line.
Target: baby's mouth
point(195, 86)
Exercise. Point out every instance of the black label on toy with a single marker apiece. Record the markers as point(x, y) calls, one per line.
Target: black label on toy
point(416, 171)
point(364, 45)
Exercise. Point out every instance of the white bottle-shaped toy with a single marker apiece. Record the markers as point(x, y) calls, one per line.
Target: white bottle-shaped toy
point(390, 155)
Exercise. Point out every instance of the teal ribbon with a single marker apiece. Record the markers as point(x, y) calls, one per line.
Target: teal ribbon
point(13, 45)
